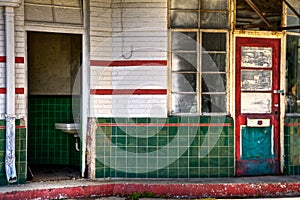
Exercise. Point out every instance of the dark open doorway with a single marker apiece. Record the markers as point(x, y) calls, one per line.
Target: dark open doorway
point(54, 61)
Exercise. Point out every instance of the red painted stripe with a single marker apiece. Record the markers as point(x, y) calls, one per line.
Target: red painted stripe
point(292, 124)
point(2, 59)
point(18, 127)
point(17, 91)
point(128, 92)
point(124, 63)
point(163, 125)
point(17, 59)
point(230, 189)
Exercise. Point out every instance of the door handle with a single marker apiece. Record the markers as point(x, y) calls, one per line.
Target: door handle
point(278, 92)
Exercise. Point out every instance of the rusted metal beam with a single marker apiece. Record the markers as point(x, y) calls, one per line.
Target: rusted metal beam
point(258, 12)
point(290, 27)
point(292, 8)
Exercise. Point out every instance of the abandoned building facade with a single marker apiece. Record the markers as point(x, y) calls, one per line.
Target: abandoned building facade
point(150, 88)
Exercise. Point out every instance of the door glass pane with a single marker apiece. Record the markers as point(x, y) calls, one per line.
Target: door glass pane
point(184, 4)
point(181, 19)
point(256, 80)
point(184, 41)
point(213, 62)
point(214, 41)
point(214, 20)
point(184, 82)
point(256, 57)
point(214, 4)
point(184, 103)
point(214, 103)
point(213, 82)
point(256, 102)
point(184, 62)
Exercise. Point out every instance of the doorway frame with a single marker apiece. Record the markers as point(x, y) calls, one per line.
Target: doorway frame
point(267, 35)
point(66, 29)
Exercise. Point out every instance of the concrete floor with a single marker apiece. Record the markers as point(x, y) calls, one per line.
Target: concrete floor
point(110, 188)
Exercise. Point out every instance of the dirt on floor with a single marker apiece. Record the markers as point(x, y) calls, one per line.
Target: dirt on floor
point(38, 173)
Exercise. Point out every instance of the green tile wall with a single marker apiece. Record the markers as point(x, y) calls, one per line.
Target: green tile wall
point(46, 145)
point(292, 146)
point(20, 146)
point(131, 148)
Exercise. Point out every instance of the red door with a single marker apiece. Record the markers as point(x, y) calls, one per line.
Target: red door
point(257, 106)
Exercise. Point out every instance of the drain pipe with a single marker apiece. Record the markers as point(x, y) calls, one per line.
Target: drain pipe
point(10, 166)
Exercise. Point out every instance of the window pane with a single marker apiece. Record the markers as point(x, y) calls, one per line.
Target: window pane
point(214, 4)
point(184, 41)
point(214, 41)
point(184, 4)
point(292, 21)
point(293, 73)
point(39, 1)
point(68, 15)
point(184, 62)
point(184, 82)
point(181, 19)
point(214, 20)
point(214, 103)
point(40, 13)
point(213, 62)
point(75, 3)
point(184, 103)
point(213, 82)
point(295, 4)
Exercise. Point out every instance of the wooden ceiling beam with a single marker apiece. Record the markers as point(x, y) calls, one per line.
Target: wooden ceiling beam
point(258, 12)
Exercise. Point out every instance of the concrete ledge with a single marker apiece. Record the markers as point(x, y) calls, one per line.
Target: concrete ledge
point(60, 190)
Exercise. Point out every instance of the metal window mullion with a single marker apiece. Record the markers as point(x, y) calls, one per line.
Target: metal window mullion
point(199, 65)
point(227, 74)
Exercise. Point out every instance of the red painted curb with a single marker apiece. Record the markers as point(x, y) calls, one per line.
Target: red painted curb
point(193, 190)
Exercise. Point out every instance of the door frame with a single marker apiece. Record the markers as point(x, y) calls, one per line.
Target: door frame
point(66, 29)
point(264, 35)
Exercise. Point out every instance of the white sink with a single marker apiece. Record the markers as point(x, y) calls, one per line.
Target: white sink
point(71, 128)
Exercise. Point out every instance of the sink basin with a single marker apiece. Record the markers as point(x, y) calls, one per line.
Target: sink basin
point(71, 128)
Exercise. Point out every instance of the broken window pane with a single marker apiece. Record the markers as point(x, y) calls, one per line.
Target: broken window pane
point(184, 62)
point(184, 4)
point(181, 19)
point(184, 82)
point(214, 41)
point(213, 82)
point(184, 103)
point(293, 74)
point(184, 41)
point(214, 4)
point(214, 20)
point(213, 62)
point(215, 103)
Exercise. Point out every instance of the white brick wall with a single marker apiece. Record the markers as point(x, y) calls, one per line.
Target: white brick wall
point(138, 31)
point(100, 29)
point(139, 77)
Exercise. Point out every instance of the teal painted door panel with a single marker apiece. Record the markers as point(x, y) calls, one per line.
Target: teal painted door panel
point(256, 143)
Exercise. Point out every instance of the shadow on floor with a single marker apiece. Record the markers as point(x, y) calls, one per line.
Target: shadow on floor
point(38, 173)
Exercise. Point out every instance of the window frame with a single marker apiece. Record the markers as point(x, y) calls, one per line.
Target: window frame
point(199, 94)
point(199, 73)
